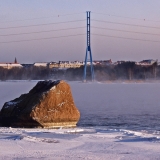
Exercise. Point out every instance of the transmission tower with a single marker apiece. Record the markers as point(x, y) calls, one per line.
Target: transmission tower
point(88, 57)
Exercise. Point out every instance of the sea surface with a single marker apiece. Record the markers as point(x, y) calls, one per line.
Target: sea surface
point(131, 106)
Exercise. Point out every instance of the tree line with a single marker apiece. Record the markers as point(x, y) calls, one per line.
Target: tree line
point(123, 71)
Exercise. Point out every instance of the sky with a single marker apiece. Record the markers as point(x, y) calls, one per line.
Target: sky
point(120, 30)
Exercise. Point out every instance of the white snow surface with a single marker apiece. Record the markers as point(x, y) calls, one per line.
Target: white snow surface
point(86, 142)
point(79, 143)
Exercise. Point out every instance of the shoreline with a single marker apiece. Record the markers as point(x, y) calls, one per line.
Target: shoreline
point(106, 81)
point(130, 81)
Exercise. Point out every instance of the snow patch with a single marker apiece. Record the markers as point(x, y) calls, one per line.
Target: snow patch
point(53, 88)
point(9, 104)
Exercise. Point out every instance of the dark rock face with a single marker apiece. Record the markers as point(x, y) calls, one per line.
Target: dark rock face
point(49, 104)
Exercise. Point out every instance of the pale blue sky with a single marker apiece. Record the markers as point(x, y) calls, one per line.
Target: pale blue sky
point(73, 48)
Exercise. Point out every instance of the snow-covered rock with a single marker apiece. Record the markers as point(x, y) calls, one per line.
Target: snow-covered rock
point(49, 104)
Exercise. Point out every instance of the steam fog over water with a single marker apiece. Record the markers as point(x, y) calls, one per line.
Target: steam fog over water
point(122, 105)
point(133, 106)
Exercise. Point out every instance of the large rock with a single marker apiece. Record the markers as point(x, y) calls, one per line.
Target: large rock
point(49, 104)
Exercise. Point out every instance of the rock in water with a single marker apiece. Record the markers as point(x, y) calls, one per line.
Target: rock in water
point(49, 104)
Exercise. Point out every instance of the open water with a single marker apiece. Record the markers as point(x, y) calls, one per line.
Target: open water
point(133, 106)
point(129, 106)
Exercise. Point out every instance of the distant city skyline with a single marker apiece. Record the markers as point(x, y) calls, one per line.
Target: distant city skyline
point(120, 30)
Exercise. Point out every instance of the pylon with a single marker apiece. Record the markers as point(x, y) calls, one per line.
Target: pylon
point(88, 50)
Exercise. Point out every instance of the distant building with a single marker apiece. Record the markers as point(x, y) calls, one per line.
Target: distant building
point(147, 62)
point(15, 61)
point(102, 62)
point(119, 62)
point(65, 64)
point(53, 65)
point(27, 65)
point(40, 64)
point(11, 65)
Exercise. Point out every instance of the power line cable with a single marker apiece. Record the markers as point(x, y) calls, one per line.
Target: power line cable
point(136, 39)
point(80, 35)
point(59, 15)
point(44, 24)
point(134, 25)
point(36, 39)
point(126, 31)
point(132, 18)
point(15, 34)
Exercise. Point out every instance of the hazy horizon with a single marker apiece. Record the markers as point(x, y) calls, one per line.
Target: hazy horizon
point(142, 17)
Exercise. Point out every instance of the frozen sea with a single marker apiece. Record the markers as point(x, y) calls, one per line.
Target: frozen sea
point(118, 121)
